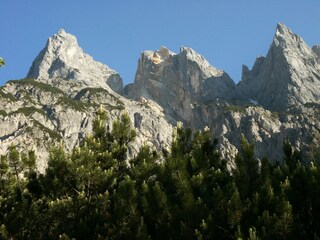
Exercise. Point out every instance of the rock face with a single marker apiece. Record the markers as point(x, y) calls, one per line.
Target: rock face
point(36, 115)
point(278, 98)
point(63, 58)
point(267, 129)
point(316, 50)
point(289, 76)
point(179, 82)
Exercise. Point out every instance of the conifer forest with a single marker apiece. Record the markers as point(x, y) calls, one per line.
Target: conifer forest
point(186, 192)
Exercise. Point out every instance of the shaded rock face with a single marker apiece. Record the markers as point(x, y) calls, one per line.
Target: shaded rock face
point(266, 129)
point(63, 58)
point(179, 82)
point(316, 50)
point(278, 98)
point(289, 76)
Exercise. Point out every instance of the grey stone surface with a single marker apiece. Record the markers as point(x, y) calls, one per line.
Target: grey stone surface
point(179, 82)
point(63, 58)
point(316, 50)
point(289, 76)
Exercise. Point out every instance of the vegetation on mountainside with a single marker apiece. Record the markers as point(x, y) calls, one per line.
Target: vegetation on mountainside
point(93, 192)
point(3, 113)
point(7, 96)
point(38, 84)
point(27, 111)
point(100, 92)
point(75, 104)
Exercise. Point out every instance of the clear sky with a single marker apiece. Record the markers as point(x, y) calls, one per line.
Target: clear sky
point(227, 33)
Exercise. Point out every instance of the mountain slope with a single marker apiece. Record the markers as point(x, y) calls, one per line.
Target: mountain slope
point(278, 98)
point(59, 103)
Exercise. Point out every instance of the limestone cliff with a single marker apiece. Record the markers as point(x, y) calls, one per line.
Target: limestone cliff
point(288, 77)
point(63, 58)
point(279, 97)
point(179, 82)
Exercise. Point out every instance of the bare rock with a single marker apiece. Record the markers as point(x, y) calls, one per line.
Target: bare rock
point(63, 58)
point(289, 76)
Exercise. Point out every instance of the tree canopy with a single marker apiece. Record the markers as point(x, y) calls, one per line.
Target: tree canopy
point(96, 192)
point(2, 62)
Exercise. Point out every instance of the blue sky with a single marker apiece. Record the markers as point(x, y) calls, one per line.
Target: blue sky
point(227, 33)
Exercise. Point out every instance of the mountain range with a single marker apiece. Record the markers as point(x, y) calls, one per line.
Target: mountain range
point(278, 98)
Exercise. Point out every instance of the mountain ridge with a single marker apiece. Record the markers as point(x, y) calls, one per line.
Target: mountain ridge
point(277, 99)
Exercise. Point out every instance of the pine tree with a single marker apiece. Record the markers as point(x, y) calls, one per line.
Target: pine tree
point(4, 168)
point(247, 170)
point(15, 163)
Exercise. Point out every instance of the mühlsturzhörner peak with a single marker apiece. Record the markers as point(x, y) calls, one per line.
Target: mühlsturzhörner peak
point(278, 98)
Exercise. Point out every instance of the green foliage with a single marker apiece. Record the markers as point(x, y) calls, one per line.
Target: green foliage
point(52, 134)
point(2, 62)
point(236, 108)
point(95, 192)
point(3, 113)
point(27, 111)
point(75, 104)
point(119, 105)
point(247, 170)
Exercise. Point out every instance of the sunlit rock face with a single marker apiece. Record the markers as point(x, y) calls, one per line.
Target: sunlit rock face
point(63, 58)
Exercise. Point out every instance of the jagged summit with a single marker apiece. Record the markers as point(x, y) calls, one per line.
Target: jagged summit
point(63, 58)
point(169, 87)
point(179, 82)
point(283, 33)
point(285, 39)
point(62, 32)
point(287, 77)
point(63, 35)
point(204, 65)
point(158, 56)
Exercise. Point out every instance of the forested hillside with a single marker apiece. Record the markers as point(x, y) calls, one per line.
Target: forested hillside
point(93, 192)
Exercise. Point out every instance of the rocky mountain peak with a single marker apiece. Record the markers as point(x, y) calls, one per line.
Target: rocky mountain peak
point(169, 87)
point(286, 77)
point(62, 57)
point(62, 35)
point(190, 55)
point(284, 38)
point(179, 82)
point(283, 33)
point(156, 57)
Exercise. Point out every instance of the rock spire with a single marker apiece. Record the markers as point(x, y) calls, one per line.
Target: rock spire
point(63, 58)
